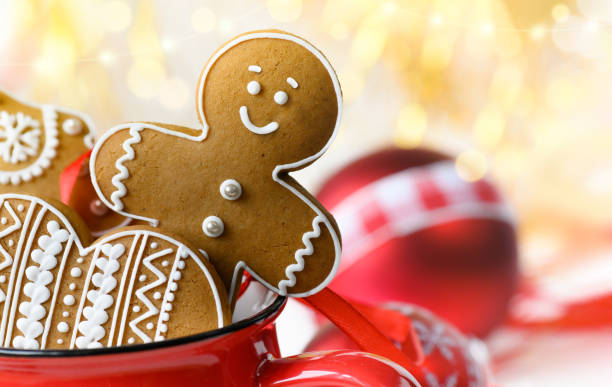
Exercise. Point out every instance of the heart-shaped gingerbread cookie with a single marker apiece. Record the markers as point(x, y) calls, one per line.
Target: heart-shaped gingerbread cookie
point(133, 285)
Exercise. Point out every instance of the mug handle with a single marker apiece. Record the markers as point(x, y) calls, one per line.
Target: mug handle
point(333, 368)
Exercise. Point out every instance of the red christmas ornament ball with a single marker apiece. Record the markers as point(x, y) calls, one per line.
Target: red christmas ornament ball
point(413, 231)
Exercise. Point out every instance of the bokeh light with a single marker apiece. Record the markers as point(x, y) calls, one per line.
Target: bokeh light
point(203, 20)
point(471, 165)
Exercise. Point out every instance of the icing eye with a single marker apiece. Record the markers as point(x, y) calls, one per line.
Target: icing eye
point(281, 97)
point(253, 87)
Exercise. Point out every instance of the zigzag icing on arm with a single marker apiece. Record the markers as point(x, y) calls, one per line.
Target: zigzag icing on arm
point(123, 174)
point(299, 256)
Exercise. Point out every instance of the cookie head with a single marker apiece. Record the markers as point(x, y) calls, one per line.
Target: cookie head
point(274, 87)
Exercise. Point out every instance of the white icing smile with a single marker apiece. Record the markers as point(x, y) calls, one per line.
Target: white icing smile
point(268, 128)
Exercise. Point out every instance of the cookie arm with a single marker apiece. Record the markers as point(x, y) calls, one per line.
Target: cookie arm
point(118, 146)
point(321, 243)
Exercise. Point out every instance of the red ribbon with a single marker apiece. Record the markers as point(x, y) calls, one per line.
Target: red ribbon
point(364, 333)
point(69, 177)
point(246, 281)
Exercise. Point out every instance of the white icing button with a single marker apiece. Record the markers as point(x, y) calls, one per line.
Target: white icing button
point(170, 297)
point(69, 300)
point(142, 278)
point(131, 340)
point(253, 87)
point(173, 286)
point(136, 308)
point(181, 264)
point(163, 328)
point(65, 314)
point(281, 98)
point(176, 275)
point(165, 316)
point(20, 207)
point(165, 263)
point(153, 245)
point(72, 126)
point(2, 278)
point(3, 220)
point(76, 272)
point(72, 286)
point(98, 208)
point(60, 341)
point(168, 307)
point(213, 226)
point(11, 243)
point(230, 189)
point(150, 325)
point(63, 327)
point(79, 260)
point(157, 295)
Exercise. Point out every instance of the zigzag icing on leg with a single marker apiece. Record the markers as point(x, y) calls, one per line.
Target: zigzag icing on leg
point(123, 171)
point(299, 256)
point(140, 293)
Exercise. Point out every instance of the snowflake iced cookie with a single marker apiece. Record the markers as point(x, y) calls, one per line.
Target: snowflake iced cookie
point(133, 285)
point(37, 143)
point(269, 103)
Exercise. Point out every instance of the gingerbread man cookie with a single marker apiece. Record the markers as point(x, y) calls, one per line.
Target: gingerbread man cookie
point(134, 285)
point(269, 103)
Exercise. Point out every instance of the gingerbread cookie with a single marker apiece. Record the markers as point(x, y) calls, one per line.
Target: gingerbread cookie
point(269, 103)
point(37, 143)
point(134, 285)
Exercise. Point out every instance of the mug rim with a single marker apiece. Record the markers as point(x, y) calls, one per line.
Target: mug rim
point(273, 308)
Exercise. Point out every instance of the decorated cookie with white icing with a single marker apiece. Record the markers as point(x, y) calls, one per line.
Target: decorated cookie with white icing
point(269, 103)
point(133, 285)
point(37, 142)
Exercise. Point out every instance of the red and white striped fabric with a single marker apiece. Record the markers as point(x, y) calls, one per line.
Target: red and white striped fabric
point(411, 200)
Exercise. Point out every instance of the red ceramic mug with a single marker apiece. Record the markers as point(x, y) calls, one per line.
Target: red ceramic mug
point(245, 353)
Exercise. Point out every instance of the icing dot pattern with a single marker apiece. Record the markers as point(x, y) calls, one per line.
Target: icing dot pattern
point(169, 297)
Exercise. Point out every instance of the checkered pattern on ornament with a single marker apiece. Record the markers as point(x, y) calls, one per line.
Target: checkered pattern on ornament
point(411, 200)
